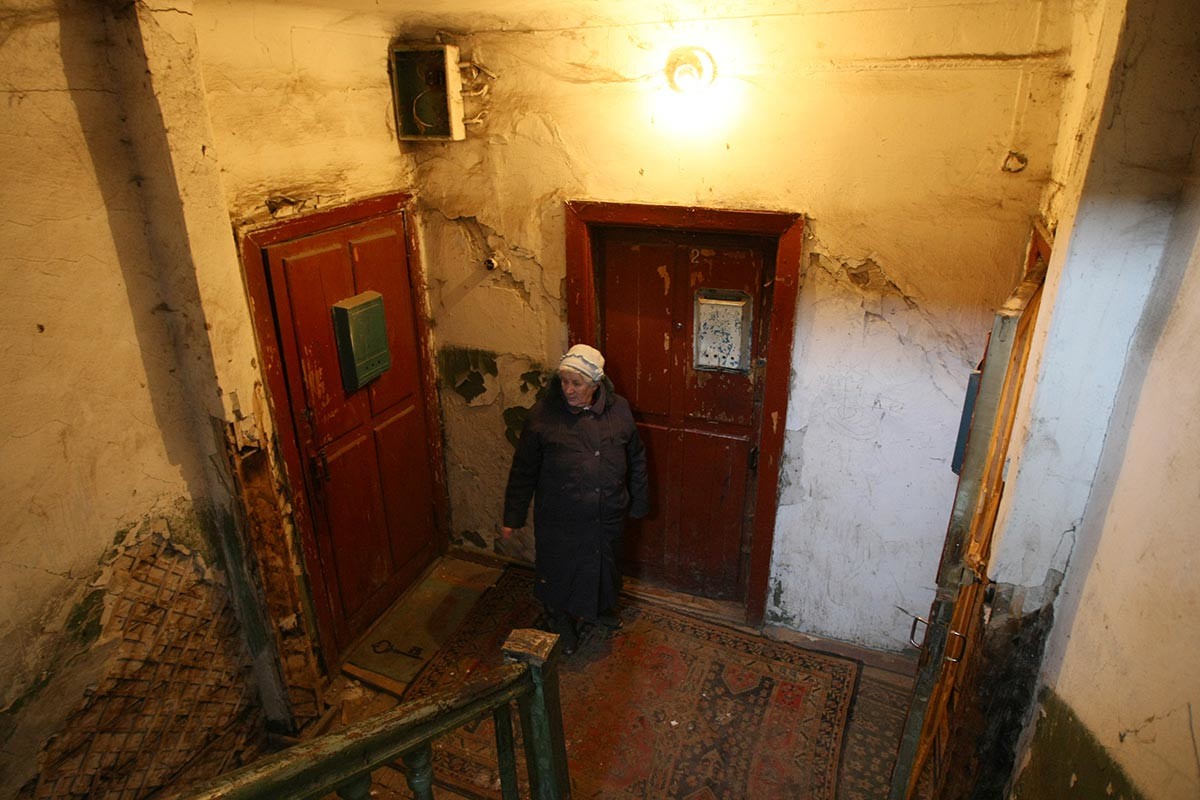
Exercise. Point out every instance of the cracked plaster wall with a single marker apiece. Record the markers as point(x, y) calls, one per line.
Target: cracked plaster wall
point(126, 344)
point(867, 482)
point(888, 127)
point(1125, 658)
point(1103, 484)
point(299, 104)
point(95, 435)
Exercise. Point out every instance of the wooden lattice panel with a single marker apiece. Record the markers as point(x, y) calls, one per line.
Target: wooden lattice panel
point(179, 691)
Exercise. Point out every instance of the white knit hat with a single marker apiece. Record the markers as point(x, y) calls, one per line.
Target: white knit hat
point(585, 360)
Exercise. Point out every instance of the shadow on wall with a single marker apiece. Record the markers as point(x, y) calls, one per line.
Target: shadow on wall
point(150, 241)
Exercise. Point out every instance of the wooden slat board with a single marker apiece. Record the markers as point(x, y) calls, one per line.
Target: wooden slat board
point(950, 652)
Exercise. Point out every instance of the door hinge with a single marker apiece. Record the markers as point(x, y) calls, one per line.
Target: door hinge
point(320, 465)
point(962, 650)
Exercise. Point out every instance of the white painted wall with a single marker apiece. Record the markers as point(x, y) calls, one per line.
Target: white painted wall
point(95, 436)
point(1109, 251)
point(1124, 652)
point(885, 125)
point(1135, 133)
point(1104, 487)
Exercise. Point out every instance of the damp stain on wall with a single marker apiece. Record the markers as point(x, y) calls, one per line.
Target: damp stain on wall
point(83, 623)
point(1067, 760)
point(996, 702)
point(535, 381)
point(776, 613)
point(465, 370)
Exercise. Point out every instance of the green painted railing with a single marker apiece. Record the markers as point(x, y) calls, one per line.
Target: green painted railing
point(342, 762)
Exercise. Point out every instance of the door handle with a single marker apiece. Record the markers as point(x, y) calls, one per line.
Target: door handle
point(912, 632)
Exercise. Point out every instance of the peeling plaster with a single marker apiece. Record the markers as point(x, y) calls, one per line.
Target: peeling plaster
point(35, 647)
point(470, 373)
point(480, 442)
point(516, 268)
point(502, 309)
point(921, 230)
point(790, 473)
point(114, 673)
point(455, 179)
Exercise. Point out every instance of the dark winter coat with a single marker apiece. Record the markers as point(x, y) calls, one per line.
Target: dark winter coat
point(585, 472)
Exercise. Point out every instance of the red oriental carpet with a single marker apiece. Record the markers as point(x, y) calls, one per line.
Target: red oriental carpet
point(666, 707)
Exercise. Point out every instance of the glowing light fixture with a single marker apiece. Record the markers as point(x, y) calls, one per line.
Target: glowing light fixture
point(690, 69)
point(691, 103)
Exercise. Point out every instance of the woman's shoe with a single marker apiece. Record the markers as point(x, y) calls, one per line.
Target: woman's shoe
point(609, 619)
point(564, 626)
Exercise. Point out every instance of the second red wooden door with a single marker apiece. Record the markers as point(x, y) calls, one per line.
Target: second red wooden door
point(681, 328)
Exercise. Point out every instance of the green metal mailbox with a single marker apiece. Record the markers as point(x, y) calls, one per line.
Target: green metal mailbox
point(360, 329)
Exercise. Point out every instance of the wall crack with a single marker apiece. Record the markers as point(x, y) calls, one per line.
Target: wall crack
point(67, 575)
point(871, 284)
point(1152, 720)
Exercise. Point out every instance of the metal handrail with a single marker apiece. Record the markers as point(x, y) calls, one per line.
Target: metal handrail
point(342, 762)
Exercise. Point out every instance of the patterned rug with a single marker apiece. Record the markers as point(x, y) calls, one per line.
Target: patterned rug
point(665, 707)
point(873, 734)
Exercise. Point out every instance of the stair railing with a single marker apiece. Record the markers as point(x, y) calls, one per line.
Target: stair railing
point(342, 762)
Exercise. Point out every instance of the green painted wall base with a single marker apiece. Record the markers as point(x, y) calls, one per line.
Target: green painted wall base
point(1067, 761)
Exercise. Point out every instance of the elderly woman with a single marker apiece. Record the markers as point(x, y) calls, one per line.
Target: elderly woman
point(581, 460)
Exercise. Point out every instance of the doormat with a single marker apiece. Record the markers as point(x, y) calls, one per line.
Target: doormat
point(411, 631)
point(665, 707)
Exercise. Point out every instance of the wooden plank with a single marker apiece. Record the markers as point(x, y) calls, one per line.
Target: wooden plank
point(962, 572)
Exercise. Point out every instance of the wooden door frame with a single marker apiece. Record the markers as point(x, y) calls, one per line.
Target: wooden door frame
point(787, 230)
point(963, 573)
point(253, 246)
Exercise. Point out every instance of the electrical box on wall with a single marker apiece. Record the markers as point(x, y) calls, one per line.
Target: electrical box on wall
point(427, 92)
point(360, 329)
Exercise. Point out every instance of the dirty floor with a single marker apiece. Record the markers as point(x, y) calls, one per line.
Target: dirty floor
point(430, 607)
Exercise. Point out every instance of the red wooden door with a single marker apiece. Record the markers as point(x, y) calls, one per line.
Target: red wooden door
point(367, 464)
point(697, 413)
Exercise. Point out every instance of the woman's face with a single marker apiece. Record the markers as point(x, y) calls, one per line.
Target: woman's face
point(577, 389)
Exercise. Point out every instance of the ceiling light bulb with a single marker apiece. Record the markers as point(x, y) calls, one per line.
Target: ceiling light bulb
point(690, 68)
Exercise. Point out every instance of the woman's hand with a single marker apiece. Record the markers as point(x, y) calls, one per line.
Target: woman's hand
point(506, 532)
